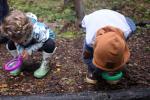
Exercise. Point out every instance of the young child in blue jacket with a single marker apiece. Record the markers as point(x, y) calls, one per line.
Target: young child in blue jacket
point(27, 35)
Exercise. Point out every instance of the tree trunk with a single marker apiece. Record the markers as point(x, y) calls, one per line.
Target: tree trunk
point(79, 9)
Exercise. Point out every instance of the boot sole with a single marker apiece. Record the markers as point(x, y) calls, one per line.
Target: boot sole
point(42, 76)
point(88, 80)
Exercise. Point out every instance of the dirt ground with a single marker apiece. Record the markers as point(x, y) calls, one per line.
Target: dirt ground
point(68, 71)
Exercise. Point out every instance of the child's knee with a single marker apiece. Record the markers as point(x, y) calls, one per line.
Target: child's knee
point(11, 45)
point(49, 46)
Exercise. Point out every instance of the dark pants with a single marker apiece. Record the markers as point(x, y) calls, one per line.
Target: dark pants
point(4, 8)
point(132, 27)
point(87, 56)
point(48, 46)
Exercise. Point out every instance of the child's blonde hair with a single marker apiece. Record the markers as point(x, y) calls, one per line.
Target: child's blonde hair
point(16, 25)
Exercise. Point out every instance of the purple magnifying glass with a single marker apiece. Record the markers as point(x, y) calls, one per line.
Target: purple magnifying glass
point(13, 64)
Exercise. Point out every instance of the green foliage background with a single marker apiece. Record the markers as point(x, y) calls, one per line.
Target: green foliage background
point(49, 10)
point(54, 11)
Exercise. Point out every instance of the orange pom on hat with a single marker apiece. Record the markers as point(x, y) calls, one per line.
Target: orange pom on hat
point(110, 49)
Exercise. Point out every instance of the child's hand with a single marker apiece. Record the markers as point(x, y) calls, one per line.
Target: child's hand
point(25, 54)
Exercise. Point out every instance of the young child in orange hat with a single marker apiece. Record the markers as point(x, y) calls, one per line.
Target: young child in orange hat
point(105, 48)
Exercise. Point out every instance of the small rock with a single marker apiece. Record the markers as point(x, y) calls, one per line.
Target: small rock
point(130, 65)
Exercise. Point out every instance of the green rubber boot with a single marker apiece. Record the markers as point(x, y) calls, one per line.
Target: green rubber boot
point(44, 68)
point(14, 54)
point(42, 71)
point(15, 72)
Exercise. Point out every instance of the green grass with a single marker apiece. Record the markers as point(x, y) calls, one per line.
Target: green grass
point(136, 9)
point(51, 10)
point(67, 34)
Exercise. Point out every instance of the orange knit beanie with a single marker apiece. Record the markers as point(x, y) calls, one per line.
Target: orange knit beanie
point(110, 49)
